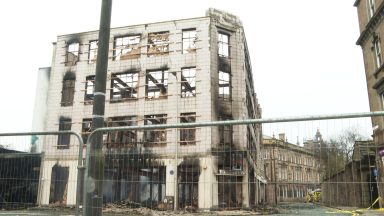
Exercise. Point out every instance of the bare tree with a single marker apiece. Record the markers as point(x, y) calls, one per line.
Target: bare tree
point(339, 149)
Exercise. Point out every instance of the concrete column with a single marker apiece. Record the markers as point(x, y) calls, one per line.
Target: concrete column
point(72, 183)
point(245, 186)
point(207, 186)
point(170, 178)
point(45, 182)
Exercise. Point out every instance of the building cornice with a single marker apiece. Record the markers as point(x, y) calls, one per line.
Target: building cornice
point(371, 25)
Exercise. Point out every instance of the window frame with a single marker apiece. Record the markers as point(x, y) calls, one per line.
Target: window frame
point(157, 137)
point(190, 40)
point(187, 135)
point(75, 52)
point(68, 89)
point(92, 51)
point(377, 52)
point(132, 47)
point(223, 84)
point(223, 45)
point(371, 5)
point(132, 82)
point(150, 86)
point(156, 45)
point(64, 140)
point(86, 131)
point(189, 82)
point(226, 133)
point(89, 97)
point(119, 139)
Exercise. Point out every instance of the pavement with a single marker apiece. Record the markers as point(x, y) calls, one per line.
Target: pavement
point(316, 209)
point(283, 209)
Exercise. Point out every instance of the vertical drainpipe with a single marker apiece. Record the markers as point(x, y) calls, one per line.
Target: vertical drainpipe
point(176, 199)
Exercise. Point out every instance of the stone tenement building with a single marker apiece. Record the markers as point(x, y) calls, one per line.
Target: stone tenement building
point(371, 14)
point(291, 170)
point(179, 71)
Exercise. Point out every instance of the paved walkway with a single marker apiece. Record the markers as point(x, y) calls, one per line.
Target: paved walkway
point(310, 209)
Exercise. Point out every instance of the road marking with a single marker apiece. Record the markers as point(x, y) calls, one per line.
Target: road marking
point(353, 213)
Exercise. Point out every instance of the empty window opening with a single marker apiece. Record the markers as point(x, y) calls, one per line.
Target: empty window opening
point(156, 84)
point(92, 55)
point(230, 191)
point(125, 138)
point(86, 129)
point(188, 82)
point(124, 86)
point(188, 135)
point(127, 47)
point(152, 186)
point(156, 136)
point(237, 161)
point(224, 85)
point(223, 43)
point(68, 91)
point(158, 43)
point(72, 56)
point(225, 133)
point(189, 41)
point(59, 185)
point(89, 89)
point(133, 183)
point(188, 179)
point(65, 124)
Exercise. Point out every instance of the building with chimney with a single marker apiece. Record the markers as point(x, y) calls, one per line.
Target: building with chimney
point(291, 170)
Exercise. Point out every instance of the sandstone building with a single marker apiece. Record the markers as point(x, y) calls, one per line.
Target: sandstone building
point(370, 15)
point(291, 170)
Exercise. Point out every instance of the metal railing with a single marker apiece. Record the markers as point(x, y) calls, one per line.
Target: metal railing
point(188, 176)
point(80, 164)
point(211, 124)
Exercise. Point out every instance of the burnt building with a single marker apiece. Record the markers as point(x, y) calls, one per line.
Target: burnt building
point(370, 15)
point(179, 71)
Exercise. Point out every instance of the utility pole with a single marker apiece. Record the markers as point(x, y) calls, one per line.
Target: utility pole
point(93, 202)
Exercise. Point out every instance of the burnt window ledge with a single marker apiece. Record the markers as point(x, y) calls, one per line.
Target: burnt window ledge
point(122, 100)
point(156, 98)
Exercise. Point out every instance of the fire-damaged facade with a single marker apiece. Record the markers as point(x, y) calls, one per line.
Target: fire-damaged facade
point(180, 71)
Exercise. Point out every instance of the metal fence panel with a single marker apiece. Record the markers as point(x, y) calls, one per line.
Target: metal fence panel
point(229, 165)
point(40, 169)
point(152, 164)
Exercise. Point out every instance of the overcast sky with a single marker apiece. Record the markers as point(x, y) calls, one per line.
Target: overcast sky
point(303, 52)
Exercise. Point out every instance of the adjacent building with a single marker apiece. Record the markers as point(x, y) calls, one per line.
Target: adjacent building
point(179, 71)
point(371, 14)
point(355, 185)
point(291, 170)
